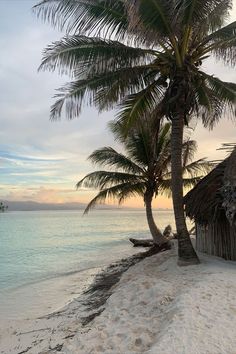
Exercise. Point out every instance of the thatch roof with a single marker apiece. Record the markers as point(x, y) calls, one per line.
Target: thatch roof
point(204, 202)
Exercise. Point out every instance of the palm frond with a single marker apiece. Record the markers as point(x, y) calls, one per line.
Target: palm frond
point(140, 104)
point(189, 148)
point(138, 147)
point(165, 185)
point(94, 90)
point(197, 12)
point(154, 16)
point(101, 17)
point(222, 43)
point(197, 168)
point(78, 54)
point(126, 80)
point(218, 14)
point(226, 91)
point(107, 156)
point(163, 139)
point(132, 190)
point(215, 98)
point(208, 105)
point(106, 179)
point(189, 183)
point(119, 192)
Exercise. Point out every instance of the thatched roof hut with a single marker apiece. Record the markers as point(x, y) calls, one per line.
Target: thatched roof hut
point(212, 205)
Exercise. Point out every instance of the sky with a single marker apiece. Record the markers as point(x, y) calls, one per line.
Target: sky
point(42, 160)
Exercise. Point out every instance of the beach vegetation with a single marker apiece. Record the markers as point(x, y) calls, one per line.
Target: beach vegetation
point(146, 56)
point(143, 171)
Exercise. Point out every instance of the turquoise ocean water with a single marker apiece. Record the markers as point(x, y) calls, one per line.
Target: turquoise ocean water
point(36, 246)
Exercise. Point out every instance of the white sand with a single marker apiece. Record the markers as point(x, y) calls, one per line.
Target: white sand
point(156, 308)
point(159, 308)
point(31, 328)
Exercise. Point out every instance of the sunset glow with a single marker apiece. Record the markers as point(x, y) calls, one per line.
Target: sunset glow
point(42, 160)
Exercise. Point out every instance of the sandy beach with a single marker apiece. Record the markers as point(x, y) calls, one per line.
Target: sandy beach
point(47, 322)
point(156, 307)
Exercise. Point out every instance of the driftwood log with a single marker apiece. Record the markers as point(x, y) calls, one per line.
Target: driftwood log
point(168, 233)
point(141, 242)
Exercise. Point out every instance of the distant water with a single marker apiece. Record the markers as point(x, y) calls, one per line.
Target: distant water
point(36, 246)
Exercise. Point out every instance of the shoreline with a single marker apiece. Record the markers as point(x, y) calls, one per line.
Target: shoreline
point(41, 300)
point(152, 306)
point(45, 329)
point(36, 333)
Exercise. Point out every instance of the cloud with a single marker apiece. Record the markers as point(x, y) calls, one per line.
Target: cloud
point(40, 158)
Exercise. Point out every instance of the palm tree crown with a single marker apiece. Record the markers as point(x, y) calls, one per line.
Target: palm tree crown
point(143, 171)
point(130, 52)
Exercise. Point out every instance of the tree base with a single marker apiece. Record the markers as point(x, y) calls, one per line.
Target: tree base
point(186, 252)
point(188, 262)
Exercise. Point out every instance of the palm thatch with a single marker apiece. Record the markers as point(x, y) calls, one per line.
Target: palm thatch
point(229, 189)
point(210, 204)
point(204, 202)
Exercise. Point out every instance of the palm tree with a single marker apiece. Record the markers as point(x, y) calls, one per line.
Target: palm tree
point(146, 56)
point(143, 171)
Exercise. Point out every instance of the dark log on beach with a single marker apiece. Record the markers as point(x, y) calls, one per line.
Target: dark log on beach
point(168, 233)
point(141, 242)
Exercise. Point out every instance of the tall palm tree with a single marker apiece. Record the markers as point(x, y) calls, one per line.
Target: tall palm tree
point(143, 171)
point(147, 56)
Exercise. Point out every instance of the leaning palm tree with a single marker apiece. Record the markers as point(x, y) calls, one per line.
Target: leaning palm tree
point(146, 56)
point(143, 171)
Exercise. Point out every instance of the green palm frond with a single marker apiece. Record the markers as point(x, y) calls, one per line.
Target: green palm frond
point(222, 43)
point(189, 148)
point(188, 183)
point(156, 15)
point(214, 98)
point(193, 169)
point(121, 82)
point(213, 12)
point(226, 33)
point(137, 143)
point(163, 137)
point(106, 179)
point(132, 190)
point(208, 105)
point(218, 14)
point(107, 156)
point(138, 146)
point(119, 192)
point(140, 104)
point(94, 90)
point(85, 16)
point(225, 91)
point(163, 161)
point(163, 146)
point(78, 54)
point(197, 168)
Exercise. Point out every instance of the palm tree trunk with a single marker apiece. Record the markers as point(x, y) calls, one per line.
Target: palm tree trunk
point(187, 254)
point(156, 233)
